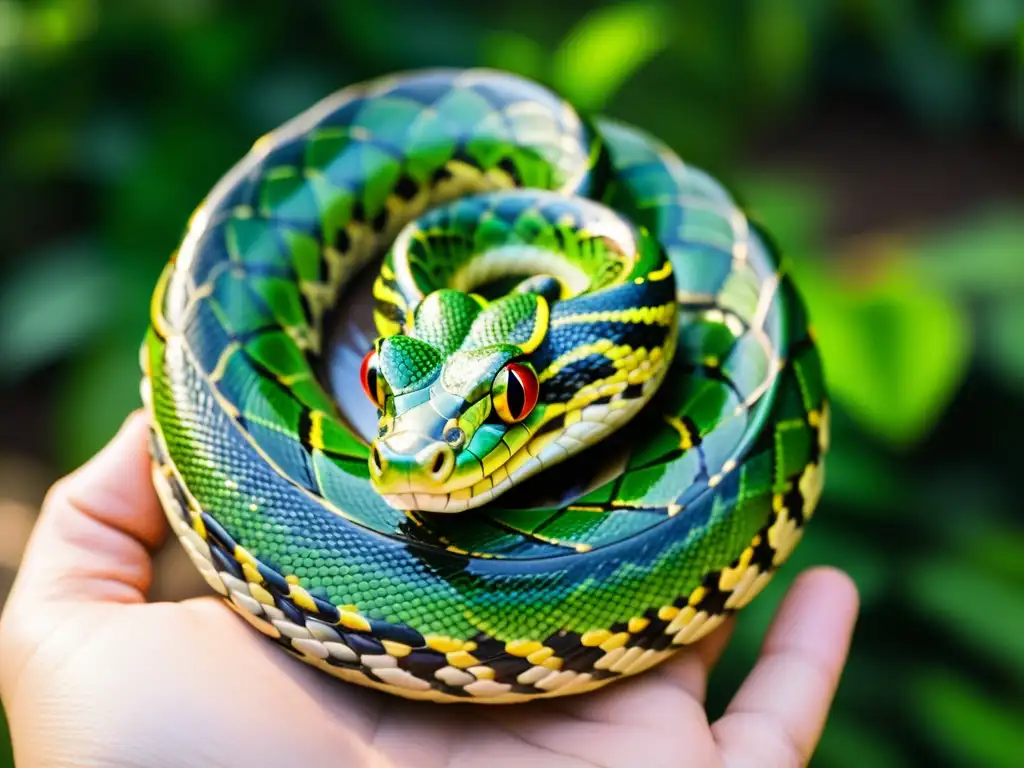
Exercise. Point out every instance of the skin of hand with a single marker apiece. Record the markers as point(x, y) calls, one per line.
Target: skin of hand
point(91, 674)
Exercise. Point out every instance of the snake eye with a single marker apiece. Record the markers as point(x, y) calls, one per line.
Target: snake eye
point(514, 392)
point(370, 379)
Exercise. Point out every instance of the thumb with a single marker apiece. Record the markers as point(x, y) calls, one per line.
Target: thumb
point(96, 529)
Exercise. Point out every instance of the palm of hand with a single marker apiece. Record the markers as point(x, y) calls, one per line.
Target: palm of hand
point(91, 674)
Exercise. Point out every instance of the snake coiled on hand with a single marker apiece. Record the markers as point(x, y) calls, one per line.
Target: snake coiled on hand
point(601, 418)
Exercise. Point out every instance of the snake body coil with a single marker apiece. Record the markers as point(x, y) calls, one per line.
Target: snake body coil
point(548, 282)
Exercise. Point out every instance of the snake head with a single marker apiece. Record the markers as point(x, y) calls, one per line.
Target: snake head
point(445, 420)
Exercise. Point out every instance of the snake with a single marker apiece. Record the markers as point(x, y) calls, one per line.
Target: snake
point(599, 416)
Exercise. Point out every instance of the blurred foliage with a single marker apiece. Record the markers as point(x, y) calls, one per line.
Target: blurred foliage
point(6, 756)
point(117, 117)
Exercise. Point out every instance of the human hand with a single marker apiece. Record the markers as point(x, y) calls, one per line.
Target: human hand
point(93, 675)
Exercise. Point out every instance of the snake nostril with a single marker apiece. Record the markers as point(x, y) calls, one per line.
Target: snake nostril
point(377, 462)
point(439, 462)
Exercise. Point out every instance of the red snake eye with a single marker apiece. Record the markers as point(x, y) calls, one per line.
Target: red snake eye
point(370, 379)
point(514, 392)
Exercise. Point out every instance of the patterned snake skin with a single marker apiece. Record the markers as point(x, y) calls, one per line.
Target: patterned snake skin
point(602, 416)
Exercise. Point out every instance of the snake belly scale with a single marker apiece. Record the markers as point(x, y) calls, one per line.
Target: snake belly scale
point(602, 417)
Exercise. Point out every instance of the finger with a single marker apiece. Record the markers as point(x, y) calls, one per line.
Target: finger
point(777, 716)
point(97, 528)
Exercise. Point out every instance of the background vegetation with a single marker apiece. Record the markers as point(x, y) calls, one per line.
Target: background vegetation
point(880, 139)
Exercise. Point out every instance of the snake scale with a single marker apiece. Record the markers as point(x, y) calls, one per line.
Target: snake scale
point(601, 414)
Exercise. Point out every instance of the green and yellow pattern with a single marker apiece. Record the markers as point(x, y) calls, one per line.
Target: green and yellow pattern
point(440, 560)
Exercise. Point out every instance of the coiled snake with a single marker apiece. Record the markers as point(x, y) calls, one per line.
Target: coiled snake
point(576, 328)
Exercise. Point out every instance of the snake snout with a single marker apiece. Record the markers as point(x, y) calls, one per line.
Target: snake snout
point(438, 461)
point(407, 461)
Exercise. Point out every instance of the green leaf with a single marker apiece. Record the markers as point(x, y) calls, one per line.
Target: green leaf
point(283, 92)
point(991, 545)
point(857, 555)
point(108, 147)
point(894, 348)
point(513, 52)
point(99, 392)
point(858, 475)
point(12, 28)
point(988, 23)
point(1000, 342)
point(778, 45)
point(983, 611)
point(1013, 96)
point(395, 36)
point(932, 80)
point(894, 352)
point(850, 743)
point(980, 256)
point(605, 48)
point(966, 722)
point(57, 300)
point(6, 754)
point(793, 210)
